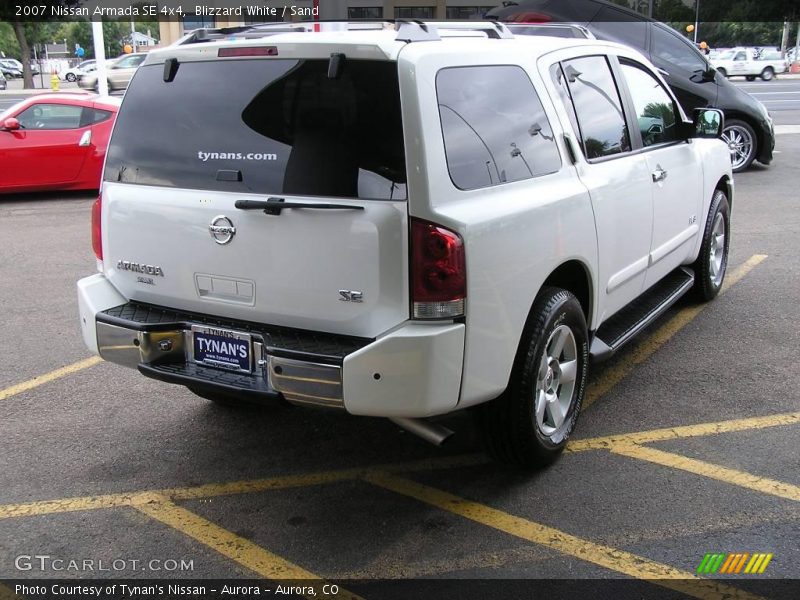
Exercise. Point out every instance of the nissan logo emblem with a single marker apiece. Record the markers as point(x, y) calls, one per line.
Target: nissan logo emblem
point(222, 229)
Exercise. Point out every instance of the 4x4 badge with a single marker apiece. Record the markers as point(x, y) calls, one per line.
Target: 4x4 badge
point(222, 229)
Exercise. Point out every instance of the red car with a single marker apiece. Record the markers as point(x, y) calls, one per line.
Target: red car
point(55, 142)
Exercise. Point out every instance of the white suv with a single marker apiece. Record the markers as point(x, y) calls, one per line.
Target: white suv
point(401, 221)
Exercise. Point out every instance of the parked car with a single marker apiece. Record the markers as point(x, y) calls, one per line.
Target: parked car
point(9, 69)
point(750, 63)
point(443, 220)
point(118, 73)
point(55, 142)
point(749, 131)
point(74, 73)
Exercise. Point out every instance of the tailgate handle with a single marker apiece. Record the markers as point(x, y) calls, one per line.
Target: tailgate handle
point(274, 206)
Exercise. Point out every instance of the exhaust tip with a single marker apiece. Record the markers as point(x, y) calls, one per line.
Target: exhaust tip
point(430, 432)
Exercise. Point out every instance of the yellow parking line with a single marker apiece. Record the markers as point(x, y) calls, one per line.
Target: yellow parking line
point(683, 431)
point(613, 375)
point(243, 551)
point(598, 554)
point(699, 467)
point(48, 377)
point(46, 507)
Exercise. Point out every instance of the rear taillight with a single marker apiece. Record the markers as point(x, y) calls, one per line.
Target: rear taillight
point(97, 239)
point(438, 271)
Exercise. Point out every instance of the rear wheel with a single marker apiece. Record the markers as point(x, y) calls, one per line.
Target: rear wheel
point(767, 74)
point(530, 423)
point(712, 262)
point(741, 140)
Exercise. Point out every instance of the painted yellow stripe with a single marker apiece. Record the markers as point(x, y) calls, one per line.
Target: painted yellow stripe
point(613, 375)
point(726, 565)
point(243, 551)
point(757, 564)
point(753, 560)
point(605, 556)
point(764, 564)
point(45, 507)
point(699, 467)
point(684, 431)
point(740, 564)
point(48, 377)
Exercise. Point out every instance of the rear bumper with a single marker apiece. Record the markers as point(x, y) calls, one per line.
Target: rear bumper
point(414, 371)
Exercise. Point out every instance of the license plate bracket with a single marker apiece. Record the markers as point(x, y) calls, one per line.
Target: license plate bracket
point(221, 348)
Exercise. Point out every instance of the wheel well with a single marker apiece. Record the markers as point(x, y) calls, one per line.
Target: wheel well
point(573, 276)
point(725, 185)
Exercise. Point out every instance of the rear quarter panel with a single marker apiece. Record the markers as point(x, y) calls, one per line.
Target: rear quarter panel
point(515, 234)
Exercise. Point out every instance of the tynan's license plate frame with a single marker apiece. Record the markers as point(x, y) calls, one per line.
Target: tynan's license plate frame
point(223, 349)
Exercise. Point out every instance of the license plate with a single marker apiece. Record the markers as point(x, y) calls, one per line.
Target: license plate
point(222, 348)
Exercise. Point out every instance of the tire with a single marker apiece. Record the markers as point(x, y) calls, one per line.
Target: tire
point(742, 143)
point(768, 74)
point(71, 77)
point(712, 262)
point(513, 430)
point(722, 72)
point(750, 77)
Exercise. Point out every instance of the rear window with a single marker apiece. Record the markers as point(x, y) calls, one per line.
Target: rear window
point(272, 126)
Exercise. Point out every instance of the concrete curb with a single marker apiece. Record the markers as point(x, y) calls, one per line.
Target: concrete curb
point(40, 91)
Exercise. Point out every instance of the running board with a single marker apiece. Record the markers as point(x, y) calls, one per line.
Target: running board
point(624, 325)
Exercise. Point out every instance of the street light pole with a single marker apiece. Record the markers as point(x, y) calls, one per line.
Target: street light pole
point(696, 18)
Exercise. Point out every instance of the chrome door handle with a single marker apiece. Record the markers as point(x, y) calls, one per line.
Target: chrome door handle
point(659, 174)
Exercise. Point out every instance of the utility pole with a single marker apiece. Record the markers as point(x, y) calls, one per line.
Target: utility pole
point(785, 38)
point(696, 18)
point(100, 57)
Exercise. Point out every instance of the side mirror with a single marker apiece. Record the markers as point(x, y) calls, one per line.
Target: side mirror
point(10, 124)
point(708, 123)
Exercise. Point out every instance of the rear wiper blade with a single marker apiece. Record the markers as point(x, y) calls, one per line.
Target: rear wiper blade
point(274, 206)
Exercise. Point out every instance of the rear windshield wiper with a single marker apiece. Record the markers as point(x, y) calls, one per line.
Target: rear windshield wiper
point(274, 206)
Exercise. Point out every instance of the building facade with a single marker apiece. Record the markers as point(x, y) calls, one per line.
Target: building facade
point(337, 9)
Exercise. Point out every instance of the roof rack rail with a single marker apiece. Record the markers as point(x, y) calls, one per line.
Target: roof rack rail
point(408, 30)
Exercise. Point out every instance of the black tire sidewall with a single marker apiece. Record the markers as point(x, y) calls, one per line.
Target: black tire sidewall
point(555, 307)
point(706, 289)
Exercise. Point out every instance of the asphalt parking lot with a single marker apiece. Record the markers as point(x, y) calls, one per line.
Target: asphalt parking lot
point(687, 446)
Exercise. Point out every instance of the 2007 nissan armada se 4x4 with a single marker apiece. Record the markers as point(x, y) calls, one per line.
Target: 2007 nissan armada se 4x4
point(401, 220)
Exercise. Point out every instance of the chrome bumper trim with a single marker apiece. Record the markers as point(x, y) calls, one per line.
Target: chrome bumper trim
point(299, 381)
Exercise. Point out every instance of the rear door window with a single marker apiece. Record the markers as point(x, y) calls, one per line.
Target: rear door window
point(495, 129)
point(598, 107)
point(271, 126)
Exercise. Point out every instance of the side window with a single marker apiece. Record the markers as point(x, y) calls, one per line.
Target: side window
point(92, 116)
point(494, 127)
point(672, 49)
point(51, 116)
point(598, 106)
point(740, 56)
point(655, 110)
point(614, 25)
